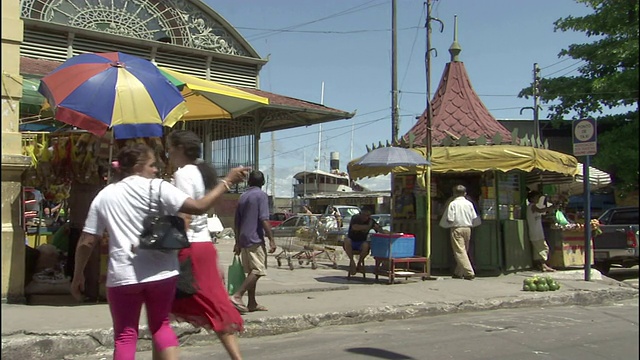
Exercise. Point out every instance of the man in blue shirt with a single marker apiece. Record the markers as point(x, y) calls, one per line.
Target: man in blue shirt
point(251, 226)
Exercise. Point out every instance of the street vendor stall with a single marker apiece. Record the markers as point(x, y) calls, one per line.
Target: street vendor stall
point(495, 180)
point(68, 168)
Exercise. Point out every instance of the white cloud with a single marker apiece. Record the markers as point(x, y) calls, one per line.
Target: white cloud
point(379, 183)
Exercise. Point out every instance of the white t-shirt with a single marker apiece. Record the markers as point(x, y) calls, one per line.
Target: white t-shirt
point(460, 213)
point(120, 209)
point(189, 179)
point(534, 223)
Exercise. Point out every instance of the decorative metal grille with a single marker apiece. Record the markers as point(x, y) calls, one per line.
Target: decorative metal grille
point(176, 22)
point(232, 142)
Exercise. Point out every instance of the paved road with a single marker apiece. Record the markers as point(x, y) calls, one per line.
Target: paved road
point(628, 275)
point(572, 332)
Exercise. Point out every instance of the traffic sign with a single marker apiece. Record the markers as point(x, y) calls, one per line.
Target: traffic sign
point(585, 137)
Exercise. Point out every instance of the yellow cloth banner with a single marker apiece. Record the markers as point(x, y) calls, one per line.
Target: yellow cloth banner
point(480, 158)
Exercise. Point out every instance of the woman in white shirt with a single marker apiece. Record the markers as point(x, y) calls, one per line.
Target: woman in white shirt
point(138, 276)
point(209, 307)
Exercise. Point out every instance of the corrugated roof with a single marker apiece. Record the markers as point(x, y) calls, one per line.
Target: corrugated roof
point(292, 112)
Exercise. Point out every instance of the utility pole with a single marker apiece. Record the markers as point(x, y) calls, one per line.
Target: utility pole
point(394, 75)
point(427, 140)
point(536, 104)
point(273, 168)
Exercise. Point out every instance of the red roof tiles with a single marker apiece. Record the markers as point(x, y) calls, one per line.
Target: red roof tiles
point(458, 111)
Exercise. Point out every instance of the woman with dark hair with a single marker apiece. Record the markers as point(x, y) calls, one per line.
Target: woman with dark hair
point(210, 306)
point(138, 276)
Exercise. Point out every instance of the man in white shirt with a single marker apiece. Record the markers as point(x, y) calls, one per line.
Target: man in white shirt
point(535, 209)
point(460, 216)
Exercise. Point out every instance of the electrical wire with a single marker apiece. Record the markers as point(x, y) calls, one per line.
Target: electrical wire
point(351, 10)
point(314, 144)
point(413, 45)
point(556, 63)
point(329, 31)
point(565, 68)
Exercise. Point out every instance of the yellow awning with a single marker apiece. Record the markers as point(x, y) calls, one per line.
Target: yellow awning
point(211, 100)
point(482, 158)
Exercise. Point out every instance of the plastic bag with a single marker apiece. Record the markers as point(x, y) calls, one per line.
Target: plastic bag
point(235, 276)
point(560, 218)
point(61, 238)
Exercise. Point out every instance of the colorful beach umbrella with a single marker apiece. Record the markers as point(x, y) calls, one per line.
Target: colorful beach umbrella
point(101, 91)
point(209, 100)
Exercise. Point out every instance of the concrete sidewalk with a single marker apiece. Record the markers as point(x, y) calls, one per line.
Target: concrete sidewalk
point(301, 299)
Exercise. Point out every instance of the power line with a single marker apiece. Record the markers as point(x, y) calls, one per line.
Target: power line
point(368, 122)
point(415, 40)
point(564, 68)
point(327, 31)
point(314, 144)
point(354, 9)
point(555, 63)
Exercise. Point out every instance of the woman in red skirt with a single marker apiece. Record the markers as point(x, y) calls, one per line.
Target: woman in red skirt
point(210, 306)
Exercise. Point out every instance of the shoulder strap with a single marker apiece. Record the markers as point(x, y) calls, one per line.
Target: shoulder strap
point(159, 209)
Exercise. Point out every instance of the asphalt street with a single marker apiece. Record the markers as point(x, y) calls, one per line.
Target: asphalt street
point(556, 333)
point(626, 275)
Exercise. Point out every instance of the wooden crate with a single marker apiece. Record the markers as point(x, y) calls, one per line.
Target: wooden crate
point(570, 251)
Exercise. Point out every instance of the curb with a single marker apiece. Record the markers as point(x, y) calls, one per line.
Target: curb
point(302, 290)
point(72, 344)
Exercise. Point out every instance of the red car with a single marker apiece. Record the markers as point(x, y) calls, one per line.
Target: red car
point(276, 219)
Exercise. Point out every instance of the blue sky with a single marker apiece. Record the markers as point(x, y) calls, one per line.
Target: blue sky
point(347, 45)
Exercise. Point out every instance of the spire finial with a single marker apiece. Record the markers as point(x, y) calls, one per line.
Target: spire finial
point(455, 48)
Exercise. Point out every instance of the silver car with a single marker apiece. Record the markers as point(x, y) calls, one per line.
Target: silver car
point(290, 227)
point(384, 220)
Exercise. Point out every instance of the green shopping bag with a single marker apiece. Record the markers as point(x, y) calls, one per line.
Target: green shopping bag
point(560, 218)
point(235, 276)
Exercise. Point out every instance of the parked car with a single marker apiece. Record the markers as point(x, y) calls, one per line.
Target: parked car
point(337, 236)
point(276, 219)
point(290, 226)
point(346, 212)
point(384, 220)
point(618, 243)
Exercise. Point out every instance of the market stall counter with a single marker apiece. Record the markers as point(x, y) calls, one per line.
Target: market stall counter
point(566, 247)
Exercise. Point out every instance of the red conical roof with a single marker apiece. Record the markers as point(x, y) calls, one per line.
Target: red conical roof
point(458, 111)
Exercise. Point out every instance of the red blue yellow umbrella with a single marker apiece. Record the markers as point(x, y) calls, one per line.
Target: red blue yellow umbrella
point(101, 91)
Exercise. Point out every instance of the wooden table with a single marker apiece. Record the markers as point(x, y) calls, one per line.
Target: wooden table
point(400, 267)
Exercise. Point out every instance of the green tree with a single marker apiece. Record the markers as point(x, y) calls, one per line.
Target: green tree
point(608, 79)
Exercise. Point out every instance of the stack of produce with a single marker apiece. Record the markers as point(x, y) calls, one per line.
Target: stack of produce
point(59, 159)
point(538, 283)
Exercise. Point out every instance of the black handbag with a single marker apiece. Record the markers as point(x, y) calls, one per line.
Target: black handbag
point(162, 232)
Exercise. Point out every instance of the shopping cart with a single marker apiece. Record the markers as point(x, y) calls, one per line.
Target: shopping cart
point(305, 247)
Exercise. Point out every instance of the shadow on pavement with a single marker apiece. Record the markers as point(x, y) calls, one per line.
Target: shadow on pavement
point(379, 353)
point(358, 279)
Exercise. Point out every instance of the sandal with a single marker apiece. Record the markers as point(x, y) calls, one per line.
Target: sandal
point(242, 309)
point(258, 308)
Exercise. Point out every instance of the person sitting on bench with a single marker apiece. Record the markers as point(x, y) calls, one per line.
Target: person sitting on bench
point(359, 228)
